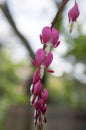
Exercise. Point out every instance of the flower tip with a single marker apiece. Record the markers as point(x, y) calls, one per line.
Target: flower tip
point(71, 27)
point(50, 71)
point(33, 62)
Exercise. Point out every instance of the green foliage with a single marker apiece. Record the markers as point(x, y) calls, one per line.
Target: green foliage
point(78, 49)
point(66, 91)
point(8, 77)
point(9, 86)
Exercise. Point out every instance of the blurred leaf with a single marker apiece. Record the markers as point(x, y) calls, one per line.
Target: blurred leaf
point(79, 49)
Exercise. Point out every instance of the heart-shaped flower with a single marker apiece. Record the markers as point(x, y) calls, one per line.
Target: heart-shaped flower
point(50, 36)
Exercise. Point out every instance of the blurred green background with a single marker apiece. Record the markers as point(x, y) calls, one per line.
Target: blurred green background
point(67, 87)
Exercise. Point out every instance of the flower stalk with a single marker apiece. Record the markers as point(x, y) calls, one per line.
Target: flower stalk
point(58, 13)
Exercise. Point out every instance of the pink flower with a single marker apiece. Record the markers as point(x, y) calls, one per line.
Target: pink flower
point(38, 104)
point(40, 107)
point(50, 36)
point(39, 114)
point(73, 13)
point(41, 59)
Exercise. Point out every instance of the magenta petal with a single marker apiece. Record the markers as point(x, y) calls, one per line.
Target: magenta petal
point(43, 109)
point(38, 104)
point(32, 98)
point(46, 34)
point(33, 62)
point(50, 71)
point(37, 88)
point(39, 56)
point(54, 37)
point(44, 95)
point(41, 38)
point(36, 76)
point(48, 59)
point(57, 44)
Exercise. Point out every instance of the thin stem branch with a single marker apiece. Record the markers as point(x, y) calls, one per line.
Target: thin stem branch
point(58, 12)
point(10, 19)
point(40, 128)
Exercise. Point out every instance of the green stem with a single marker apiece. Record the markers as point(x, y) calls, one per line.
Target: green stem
point(58, 12)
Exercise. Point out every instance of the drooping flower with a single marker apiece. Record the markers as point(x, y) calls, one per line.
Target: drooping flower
point(40, 109)
point(73, 14)
point(50, 36)
point(42, 61)
point(40, 106)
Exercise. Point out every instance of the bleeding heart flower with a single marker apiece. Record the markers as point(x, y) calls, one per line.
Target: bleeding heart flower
point(40, 106)
point(50, 36)
point(41, 59)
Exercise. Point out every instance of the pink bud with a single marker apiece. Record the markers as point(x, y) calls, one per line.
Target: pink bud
point(43, 108)
point(44, 119)
point(36, 76)
point(44, 95)
point(38, 104)
point(73, 13)
point(37, 88)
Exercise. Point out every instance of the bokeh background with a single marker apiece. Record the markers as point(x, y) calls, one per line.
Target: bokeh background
point(21, 22)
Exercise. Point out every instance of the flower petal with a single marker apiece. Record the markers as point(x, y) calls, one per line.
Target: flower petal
point(33, 63)
point(38, 104)
point(36, 76)
point(48, 59)
point(50, 71)
point(54, 36)
point(44, 95)
point(46, 34)
point(39, 56)
point(37, 88)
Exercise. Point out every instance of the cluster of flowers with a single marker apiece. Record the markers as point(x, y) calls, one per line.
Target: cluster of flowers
point(43, 58)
